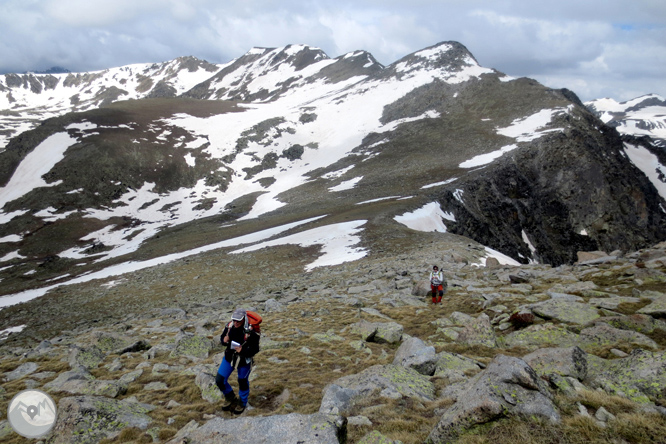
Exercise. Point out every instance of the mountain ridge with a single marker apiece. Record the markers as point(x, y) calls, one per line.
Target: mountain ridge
point(299, 135)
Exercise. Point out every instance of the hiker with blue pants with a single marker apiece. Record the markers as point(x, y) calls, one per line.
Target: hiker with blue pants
point(242, 344)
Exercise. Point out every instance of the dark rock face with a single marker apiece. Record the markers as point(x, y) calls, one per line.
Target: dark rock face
point(554, 189)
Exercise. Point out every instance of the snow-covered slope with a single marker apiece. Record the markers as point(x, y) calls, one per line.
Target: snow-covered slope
point(642, 116)
point(288, 146)
point(26, 99)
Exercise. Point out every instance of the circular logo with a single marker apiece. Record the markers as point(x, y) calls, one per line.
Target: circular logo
point(32, 413)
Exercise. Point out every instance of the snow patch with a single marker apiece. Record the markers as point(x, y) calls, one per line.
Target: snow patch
point(484, 159)
point(649, 164)
point(427, 218)
point(337, 241)
point(347, 184)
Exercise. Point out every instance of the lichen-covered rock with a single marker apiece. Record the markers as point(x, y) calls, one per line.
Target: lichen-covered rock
point(641, 376)
point(294, 427)
point(21, 371)
point(507, 387)
point(89, 419)
point(640, 323)
point(95, 387)
point(454, 367)
point(338, 400)
point(612, 302)
point(571, 361)
point(192, 346)
point(415, 354)
point(87, 358)
point(603, 335)
point(540, 336)
point(388, 333)
point(565, 311)
point(657, 307)
point(273, 306)
point(329, 336)
point(209, 390)
point(390, 380)
point(478, 332)
point(376, 437)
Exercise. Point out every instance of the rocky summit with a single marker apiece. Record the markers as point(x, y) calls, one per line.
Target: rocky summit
point(140, 205)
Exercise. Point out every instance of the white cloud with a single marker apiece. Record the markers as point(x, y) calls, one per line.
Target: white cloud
point(612, 47)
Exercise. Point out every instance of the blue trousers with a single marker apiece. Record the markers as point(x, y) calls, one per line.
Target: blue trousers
point(222, 380)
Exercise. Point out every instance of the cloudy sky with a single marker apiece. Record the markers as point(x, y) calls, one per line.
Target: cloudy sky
point(597, 48)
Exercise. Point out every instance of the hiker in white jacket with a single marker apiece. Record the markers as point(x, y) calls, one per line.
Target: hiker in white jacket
point(437, 284)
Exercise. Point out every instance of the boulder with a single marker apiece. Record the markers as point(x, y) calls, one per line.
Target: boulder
point(192, 346)
point(478, 332)
point(95, 387)
point(454, 367)
point(209, 390)
point(605, 336)
point(570, 361)
point(656, 308)
point(641, 376)
point(421, 289)
point(87, 358)
point(565, 311)
point(87, 419)
point(415, 354)
point(294, 427)
point(612, 302)
point(584, 256)
point(391, 381)
point(388, 333)
point(540, 336)
point(273, 306)
point(637, 322)
point(376, 437)
point(21, 371)
point(507, 387)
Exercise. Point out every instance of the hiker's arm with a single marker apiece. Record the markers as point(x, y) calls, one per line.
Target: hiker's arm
point(250, 347)
point(224, 337)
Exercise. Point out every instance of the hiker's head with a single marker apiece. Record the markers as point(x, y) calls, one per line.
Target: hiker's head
point(238, 316)
point(435, 268)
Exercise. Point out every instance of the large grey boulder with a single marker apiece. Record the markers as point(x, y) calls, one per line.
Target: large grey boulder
point(478, 332)
point(570, 361)
point(415, 354)
point(539, 336)
point(192, 346)
point(291, 428)
point(565, 311)
point(21, 371)
point(603, 335)
point(454, 366)
point(637, 322)
point(657, 307)
point(380, 332)
point(89, 419)
point(391, 381)
point(209, 390)
point(507, 387)
point(641, 376)
point(87, 358)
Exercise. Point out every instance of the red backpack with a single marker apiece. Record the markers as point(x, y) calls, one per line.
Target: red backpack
point(254, 322)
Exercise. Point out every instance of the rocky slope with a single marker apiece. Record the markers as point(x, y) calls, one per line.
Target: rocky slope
point(355, 353)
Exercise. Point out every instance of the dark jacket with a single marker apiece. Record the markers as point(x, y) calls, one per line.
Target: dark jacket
point(249, 349)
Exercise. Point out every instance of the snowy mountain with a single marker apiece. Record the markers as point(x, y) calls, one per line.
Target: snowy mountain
point(642, 116)
point(343, 157)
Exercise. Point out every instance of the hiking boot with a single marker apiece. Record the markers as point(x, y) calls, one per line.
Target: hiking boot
point(238, 409)
point(230, 402)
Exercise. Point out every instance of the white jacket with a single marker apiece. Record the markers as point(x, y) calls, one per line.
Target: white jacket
point(439, 276)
